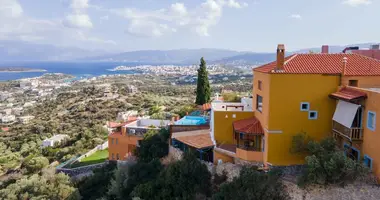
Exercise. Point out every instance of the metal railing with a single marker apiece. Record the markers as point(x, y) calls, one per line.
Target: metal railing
point(350, 133)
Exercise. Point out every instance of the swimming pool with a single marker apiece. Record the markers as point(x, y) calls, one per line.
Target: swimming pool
point(191, 120)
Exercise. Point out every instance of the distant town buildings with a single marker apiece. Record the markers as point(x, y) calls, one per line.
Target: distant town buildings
point(56, 139)
point(8, 119)
point(25, 119)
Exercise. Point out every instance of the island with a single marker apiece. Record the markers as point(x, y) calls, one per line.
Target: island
point(20, 69)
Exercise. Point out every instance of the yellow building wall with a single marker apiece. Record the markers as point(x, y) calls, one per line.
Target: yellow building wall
point(287, 91)
point(223, 125)
point(371, 139)
point(223, 157)
point(263, 116)
point(363, 81)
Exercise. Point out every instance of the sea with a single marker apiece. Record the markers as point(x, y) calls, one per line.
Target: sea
point(77, 69)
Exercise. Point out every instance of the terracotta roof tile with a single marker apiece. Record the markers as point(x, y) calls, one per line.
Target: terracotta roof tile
point(249, 126)
point(206, 106)
point(348, 94)
point(357, 65)
point(197, 141)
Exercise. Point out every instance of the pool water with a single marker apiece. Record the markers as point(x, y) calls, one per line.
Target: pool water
point(191, 120)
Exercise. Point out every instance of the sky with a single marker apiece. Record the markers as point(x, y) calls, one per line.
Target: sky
point(243, 25)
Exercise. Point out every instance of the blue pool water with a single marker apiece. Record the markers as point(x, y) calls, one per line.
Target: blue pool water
point(191, 120)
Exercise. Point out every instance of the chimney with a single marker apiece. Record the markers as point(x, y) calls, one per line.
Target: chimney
point(343, 71)
point(325, 49)
point(375, 47)
point(280, 57)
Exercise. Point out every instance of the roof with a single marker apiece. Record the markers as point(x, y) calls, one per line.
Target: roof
point(249, 126)
point(348, 94)
point(5, 129)
point(357, 65)
point(198, 139)
point(206, 106)
point(118, 124)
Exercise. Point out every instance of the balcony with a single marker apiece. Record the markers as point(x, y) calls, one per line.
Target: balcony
point(349, 133)
point(250, 154)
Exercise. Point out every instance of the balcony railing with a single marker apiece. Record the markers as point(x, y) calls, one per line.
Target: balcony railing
point(350, 133)
point(249, 148)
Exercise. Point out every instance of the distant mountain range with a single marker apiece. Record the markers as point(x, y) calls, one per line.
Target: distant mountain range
point(24, 51)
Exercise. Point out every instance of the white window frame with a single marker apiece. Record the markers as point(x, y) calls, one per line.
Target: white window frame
point(373, 127)
point(305, 103)
point(316, 115)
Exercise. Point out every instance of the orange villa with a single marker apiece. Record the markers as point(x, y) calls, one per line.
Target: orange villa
point(124, 137)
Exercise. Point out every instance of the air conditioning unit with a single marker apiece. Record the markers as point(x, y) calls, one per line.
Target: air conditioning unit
point(132, 131)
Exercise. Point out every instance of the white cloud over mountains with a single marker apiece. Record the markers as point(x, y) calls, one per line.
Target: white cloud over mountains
point(79, 17)
point(357, 2)
point(159, 22)
point(10, 8)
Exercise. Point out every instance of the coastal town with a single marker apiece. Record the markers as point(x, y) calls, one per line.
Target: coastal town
point(82, 125)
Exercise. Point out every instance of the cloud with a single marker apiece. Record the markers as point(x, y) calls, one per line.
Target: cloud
point(295, 16)
point(155, 23)
point(79, 4)
point(179, 9)
point(143, 28)
point(105, 18)
point(357, 2)
point(78, 21)
point(78, 18)
point(83, 37)
point(10, 8)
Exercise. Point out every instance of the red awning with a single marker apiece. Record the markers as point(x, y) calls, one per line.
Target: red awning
point(348, 94)
point(249, 126)
point(206, 106)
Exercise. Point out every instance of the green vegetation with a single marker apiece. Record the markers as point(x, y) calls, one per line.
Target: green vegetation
point(203, 86)
point(154, 146)
point(325, 164)
point(231, 97)
point(48, 185)
point(95, 158)
point(253, 185)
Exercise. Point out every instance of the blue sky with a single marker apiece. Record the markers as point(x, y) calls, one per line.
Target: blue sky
point(244, 25)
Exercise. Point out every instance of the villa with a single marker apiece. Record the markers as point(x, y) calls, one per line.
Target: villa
point(124, 137)
point(319, 94)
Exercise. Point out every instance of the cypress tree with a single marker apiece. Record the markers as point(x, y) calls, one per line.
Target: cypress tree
point(203, 86)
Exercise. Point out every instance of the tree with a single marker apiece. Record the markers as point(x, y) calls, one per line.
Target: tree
point(96, 186)
point(46, 186)
point(183, 179)
point(35, 164)
point(253, 185)
point(203, 85)
point(154, 146)
point(327, 165)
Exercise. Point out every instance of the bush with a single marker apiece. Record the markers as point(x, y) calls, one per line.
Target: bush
point(180, 180)
point(153, 147)
point(327, 165)
point(253, 185)
point(36, 164)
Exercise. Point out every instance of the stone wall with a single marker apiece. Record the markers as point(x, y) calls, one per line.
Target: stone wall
point(80, 170)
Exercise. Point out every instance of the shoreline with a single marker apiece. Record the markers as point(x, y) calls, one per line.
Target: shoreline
point(42, 70)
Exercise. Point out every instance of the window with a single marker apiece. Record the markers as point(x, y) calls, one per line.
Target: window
point(368, 161)
point(305, 106)
point(313, 115)
point(117, 156)
point(241, 136)
point(353, 83)
point(371, 121)
point(259, 85)
point(113, 156)
point(117, 141)
point(112, 141)
point(259, 103)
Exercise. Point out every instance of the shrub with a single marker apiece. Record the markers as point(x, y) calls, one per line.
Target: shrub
point(253, 185)
point(327, 165)
point(153, 147)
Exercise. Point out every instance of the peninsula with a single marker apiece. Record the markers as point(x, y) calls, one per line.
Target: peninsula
point(20, 69)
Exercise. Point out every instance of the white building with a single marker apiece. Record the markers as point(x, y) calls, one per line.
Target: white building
point(25, 119)
point(7, 111)
point(29, 104)
point(17, 111)
point(125, 116)
point(54, 140)
point(4, 96)
point(8, 118)
point(25, 84)
point(141, 126)
point(131, 89)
